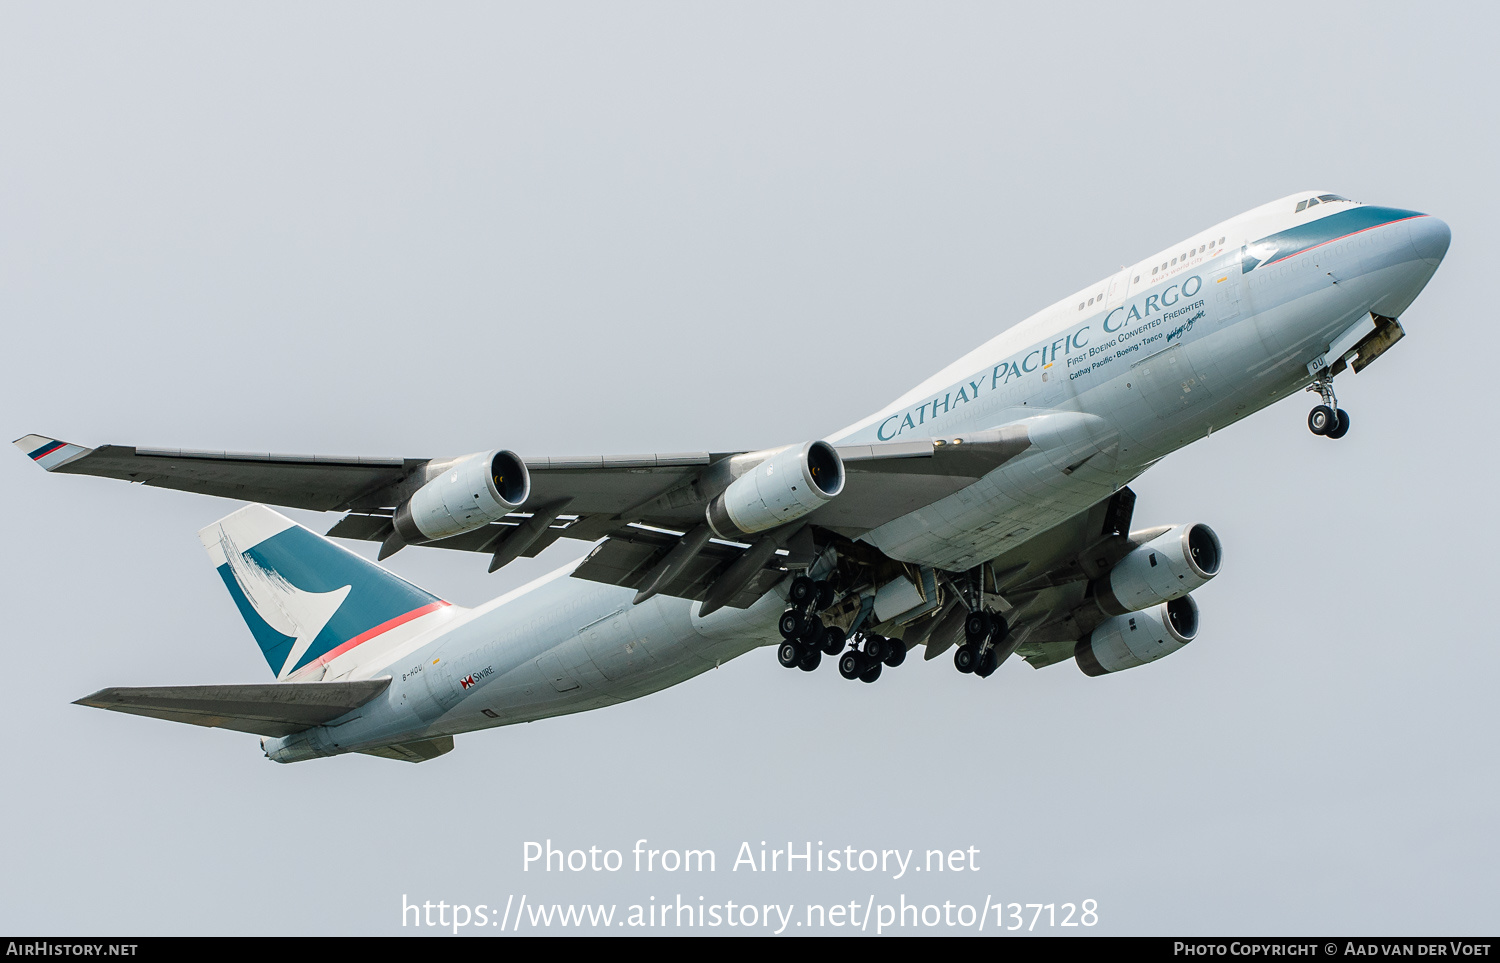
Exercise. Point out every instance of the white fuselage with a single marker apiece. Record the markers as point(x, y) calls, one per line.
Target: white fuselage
point(1147, 360)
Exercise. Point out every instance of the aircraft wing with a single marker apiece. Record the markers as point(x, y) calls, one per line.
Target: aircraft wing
point(320, 483)
point(1045, 579)
point(270, 709)
point(596, 495)
point(598, 484)
point(641, 505)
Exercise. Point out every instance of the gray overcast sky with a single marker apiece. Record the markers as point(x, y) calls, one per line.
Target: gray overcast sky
point(420, 230)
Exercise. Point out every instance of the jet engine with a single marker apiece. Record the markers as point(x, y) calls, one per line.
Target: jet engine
point(470, 493)
point(789, 484)
point(1167, 567)
point(1127, 641)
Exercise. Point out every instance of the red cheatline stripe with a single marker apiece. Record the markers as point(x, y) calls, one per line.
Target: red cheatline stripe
point(43, 454)
point(380, 629)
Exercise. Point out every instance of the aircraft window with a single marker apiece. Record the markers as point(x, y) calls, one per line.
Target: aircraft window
point(1301, 206)
point(1091, 300)
point(1325, 198)
point(1137, 280)
point(1080, 305)
point(1154, 270)
point(1210, 244)
point(1221, 240)
point(1312, 201)
point(1174, 260)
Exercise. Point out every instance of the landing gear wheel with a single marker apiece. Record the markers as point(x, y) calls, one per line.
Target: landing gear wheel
point(988, 663)
point(1322, 420)
point(1342, 428)
point(851, 665)
point(999, 628)
point(977, 626)
point(810, 660)
point(789, 654)
point(804, 590)
point(790, 625)
point(964, 659)
point(825, 596)
point(876, 647)
point(870, 674)
point(812, 636)
point(833, 640)
point(897, 653)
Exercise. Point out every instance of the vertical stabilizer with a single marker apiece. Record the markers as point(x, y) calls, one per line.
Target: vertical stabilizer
point(306, 599)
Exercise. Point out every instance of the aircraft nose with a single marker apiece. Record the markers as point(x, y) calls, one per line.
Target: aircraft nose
point(1430, 237)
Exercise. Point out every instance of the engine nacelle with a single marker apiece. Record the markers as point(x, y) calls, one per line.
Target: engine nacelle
point(470, 494)
point(1167, 567)
point(1127, 641)
point(784, 487)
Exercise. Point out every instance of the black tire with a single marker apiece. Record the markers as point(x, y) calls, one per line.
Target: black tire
point(987, 664)
point(789, 653)
point(812, 634)
point(896, 654)
point(804, 590)
point(977, 626)
point(834, 640)
point(851, 665)
point(876, 647)
point(810, 660)
point(825, 596)
point(870, 674)
point(790, 625)
point(999, 628)
point(963, 659)
point(1342, 428)
point(1321, 420)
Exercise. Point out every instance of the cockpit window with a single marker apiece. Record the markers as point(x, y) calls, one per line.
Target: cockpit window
point(1323, 198)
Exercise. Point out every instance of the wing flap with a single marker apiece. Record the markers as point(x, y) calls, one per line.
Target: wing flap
point(270, 709)
point(628, 558)
point(413, 751)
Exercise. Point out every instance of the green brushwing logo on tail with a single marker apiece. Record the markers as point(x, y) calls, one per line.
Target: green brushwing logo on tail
point(306, 599)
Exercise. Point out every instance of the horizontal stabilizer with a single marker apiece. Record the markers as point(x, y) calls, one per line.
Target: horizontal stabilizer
point(413, 751)
point(269, 709)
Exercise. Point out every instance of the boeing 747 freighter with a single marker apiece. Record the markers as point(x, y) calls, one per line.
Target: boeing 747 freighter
point(986, 511)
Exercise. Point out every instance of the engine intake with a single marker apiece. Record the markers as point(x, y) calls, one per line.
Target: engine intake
point(1127, 641)
point(471, 493)
point(1167, 567)
point(789, 484)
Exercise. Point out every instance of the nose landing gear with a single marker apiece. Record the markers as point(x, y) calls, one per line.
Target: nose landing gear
point(1327, 419)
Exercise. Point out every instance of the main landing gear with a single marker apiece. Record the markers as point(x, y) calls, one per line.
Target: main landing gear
point(807, 639)
point(1327, 419)
point(984, 635)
